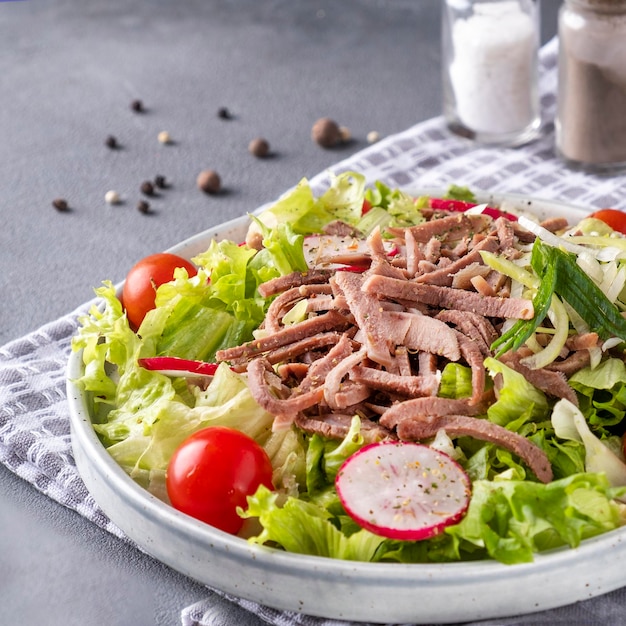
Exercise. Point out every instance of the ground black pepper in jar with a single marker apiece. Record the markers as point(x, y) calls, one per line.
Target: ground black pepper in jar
point(591, 117)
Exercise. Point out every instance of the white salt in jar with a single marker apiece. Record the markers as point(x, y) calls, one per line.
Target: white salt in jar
point(490, 69)
point(591, 117)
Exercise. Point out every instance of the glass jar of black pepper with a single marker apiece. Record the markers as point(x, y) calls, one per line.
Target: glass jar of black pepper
point(591, 115)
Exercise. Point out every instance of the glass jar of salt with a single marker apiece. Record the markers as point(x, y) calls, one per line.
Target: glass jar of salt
point(591, 101)
point(490, 70)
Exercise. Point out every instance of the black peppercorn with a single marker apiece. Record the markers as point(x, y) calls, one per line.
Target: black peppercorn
point(143, 206)
point(147, 188)
point(137, 106)
point(160, 181)
point(111, 142)
point(223, 113)
point(60, 204)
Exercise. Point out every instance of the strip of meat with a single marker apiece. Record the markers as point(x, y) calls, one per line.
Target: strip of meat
point(413, 254)
point(571, 364)
point(380, 263)
point(445, 275)
point(337, 426)
point(320, 323)
point(553, 383)
point(473, 357)
point(295, 279)
point(366, 311)
point(276, 309)
point(465, 426)
point(409, 386)
point(474, 326)
point(319, 369)
point(450, 228)
point(421, 333)
point(463, 278)
point(298, 348)
point(448, 298)
point(505, 232)
point(283, 410)
point(333, 380)
point(411, 409)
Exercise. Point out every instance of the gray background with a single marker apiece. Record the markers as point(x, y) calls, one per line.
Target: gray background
point(68, 72)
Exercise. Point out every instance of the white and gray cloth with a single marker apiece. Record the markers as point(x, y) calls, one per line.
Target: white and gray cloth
point(34, 424)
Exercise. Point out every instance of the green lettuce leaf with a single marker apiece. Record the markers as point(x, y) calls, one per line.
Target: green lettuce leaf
point(512, 520)
point(305, 528)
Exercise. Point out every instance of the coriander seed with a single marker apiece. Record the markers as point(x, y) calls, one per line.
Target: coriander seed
point(112, 197)
point(373, 136)
point(164, 137)
point(209, 181)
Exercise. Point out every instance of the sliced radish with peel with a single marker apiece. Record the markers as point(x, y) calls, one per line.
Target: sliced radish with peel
point(175, 366)
point(403, 491)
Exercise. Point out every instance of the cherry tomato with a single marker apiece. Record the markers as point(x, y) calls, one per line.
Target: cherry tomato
point(614, 218)
point(213, 471)
point(367, 206)
point(143, 279)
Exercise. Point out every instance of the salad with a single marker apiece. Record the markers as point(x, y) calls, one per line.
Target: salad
point(375, 376)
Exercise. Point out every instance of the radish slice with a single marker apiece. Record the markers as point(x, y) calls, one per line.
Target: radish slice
point(175, 366)
point(403, 491)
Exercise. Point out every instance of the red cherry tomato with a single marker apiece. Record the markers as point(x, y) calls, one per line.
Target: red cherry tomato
point(367, 206)
point(143, 279)
point(213, 471)
point(614, 218)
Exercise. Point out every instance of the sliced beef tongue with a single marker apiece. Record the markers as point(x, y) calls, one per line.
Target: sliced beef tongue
point(476, 327)
point(425, 427)
point(444, 297)
point(367, 313)
point(332, 320)
point(337, 426)
point(295, 279)
point(408, 386)
point(286, 409)
point(554, 383)
point(449, 228)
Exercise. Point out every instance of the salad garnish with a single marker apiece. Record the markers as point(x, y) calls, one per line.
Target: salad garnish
point(370, 319)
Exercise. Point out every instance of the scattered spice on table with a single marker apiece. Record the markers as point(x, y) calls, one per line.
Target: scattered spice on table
point(164, 137)
point(111, 142)
point(209, 181)
point(259, 147)
point(326, 132)
point(60, 204)
point(112, 197)
point(147, 188)
point(137, 106)
point(160, 181)
point(143, 206)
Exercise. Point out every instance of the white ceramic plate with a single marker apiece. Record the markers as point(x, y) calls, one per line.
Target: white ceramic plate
point(373, 592)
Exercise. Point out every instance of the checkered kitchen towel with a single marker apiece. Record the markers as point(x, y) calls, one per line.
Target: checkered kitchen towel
point(34, 427)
